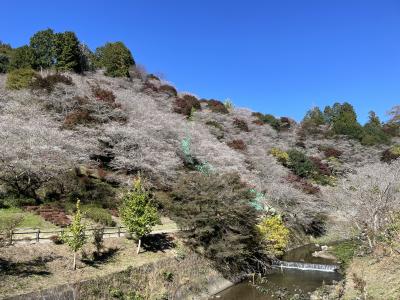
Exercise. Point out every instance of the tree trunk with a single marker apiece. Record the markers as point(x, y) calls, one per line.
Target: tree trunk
point(138, 247)
point(74, 265)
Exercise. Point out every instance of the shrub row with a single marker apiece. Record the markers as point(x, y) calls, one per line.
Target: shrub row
point(63, 51)
point(341, 119)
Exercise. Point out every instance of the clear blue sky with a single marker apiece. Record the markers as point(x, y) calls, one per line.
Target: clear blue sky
point(280, 57)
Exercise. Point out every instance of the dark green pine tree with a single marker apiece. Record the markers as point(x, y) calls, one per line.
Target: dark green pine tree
point(67, 52)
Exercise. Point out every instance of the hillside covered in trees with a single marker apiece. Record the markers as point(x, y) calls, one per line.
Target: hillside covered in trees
point(82, 124)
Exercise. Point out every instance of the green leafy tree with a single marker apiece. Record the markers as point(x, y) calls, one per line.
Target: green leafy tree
point(42, 43)
point(75, 236)
point(22, 57)
point(138, 213)
point(115, 58)
point(67, 52)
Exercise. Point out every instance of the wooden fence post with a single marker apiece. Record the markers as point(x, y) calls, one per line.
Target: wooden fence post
point(11, 237)
point(38, 235)
point(119, 231)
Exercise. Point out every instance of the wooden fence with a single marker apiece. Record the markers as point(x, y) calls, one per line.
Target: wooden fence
point(37, 235)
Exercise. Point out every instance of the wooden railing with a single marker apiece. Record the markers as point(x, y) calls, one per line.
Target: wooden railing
point(37, 235)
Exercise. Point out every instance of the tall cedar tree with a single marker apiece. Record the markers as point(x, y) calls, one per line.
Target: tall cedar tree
point(218, 220)
point(373, 132)
point(67, 52)
point(344, 120)
point(138, 213)
point(115, 58)
point(42, 43)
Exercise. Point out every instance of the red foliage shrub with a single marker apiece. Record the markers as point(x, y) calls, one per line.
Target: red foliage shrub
point(149, 86)
point(168, 89)
point(241, 124)
point(330, 152)
point(56, 239)
point(237, 145)
point(302, 184)
point(258, 122)
point(105, 96)
point(51, 214)
point(217, 106)
point(77, 117)
point(185, 104)
point(49, 82)
point(322, 168)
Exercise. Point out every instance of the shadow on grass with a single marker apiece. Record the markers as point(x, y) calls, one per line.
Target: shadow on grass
point(101, 258)
point(36, 266)
point(157, 242)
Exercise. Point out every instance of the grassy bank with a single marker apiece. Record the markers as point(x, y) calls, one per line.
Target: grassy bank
point(381, 277)
point(29, 220)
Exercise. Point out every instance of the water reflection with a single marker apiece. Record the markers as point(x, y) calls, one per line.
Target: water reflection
point(285, 283)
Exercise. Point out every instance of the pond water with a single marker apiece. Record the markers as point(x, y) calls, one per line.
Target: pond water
point(284, 283)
